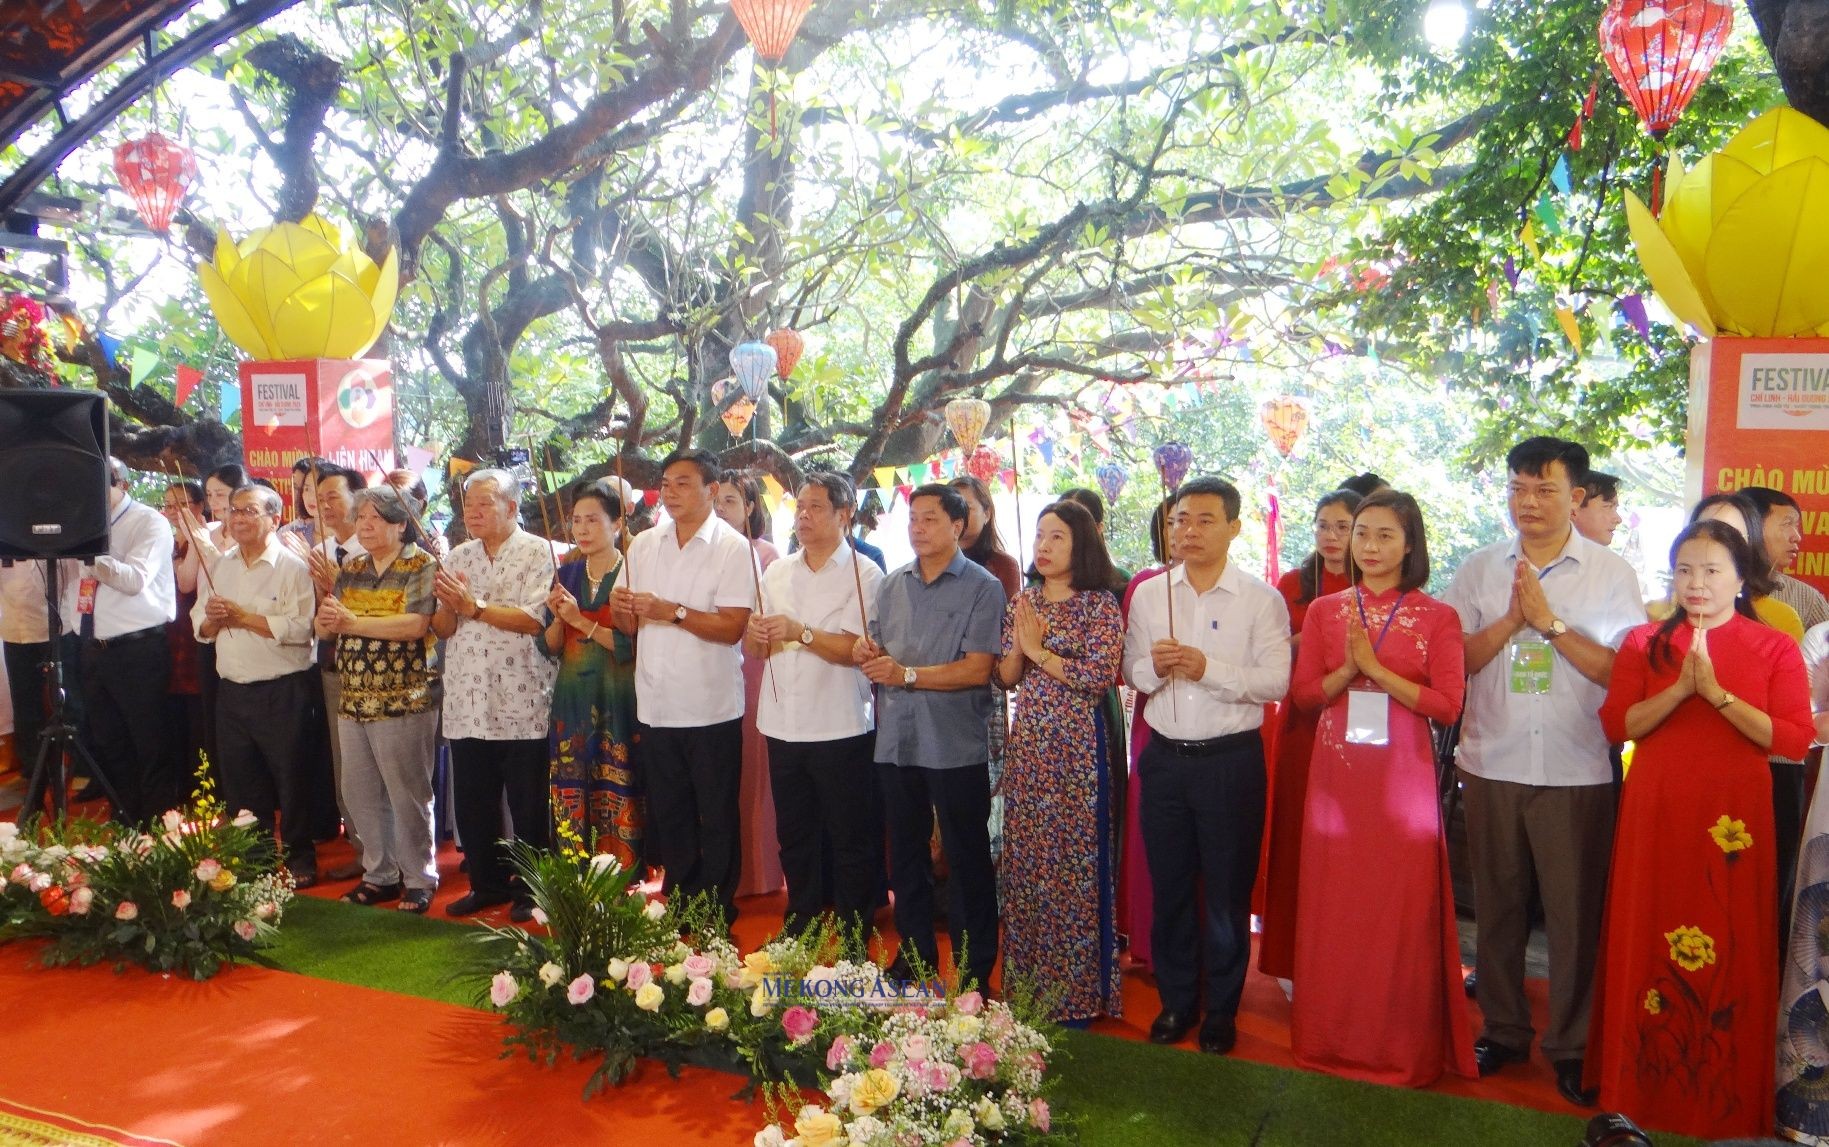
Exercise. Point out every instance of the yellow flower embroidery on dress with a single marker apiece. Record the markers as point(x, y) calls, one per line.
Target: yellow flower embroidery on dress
point(1691, 948)
point(1731, 834)
point(1654, 1001)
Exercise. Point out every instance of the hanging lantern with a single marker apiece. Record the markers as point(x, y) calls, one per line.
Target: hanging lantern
point(23, 337)
point(752, 363)
point(738, 414)
point(788, 344)
point(966, 417)
point(983, 463)
point(1660, 51)
point(1172, 461)
point(1111, 478)
point(771, 24)
point(156, 172)
point(1285, 419)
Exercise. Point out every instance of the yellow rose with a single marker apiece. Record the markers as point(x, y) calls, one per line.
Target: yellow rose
point(1691, 948)
point(759, 1003)
point(1654, 1001)
point(717, 1019)
point(875, 1090)
point(223, 881)
point(816, 1128)
point(648, 997)
point(756, 965)
point(1731, 835)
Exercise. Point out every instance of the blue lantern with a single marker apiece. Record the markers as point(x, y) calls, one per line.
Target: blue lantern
point(754, 364)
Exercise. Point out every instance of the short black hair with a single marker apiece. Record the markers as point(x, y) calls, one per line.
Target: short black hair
point(601, 493)
point(1089, 498)
point(1534, 456)
point(1217, 487)
point(705, 460)
point(1365, 484)
point(951, 500)
point(353, 478)
point(1768, 499)
point(1600, 485)
point(1415, 571)
point(837, 486)
point(231, 474)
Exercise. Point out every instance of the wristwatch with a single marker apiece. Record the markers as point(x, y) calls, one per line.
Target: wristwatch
point(480, 606)
point(1557, 629)
point(908, 676)
point(806, 635)
point(679, 616)
point(1726, 700)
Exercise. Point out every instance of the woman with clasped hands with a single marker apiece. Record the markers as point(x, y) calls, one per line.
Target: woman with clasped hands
point(1685, 1016)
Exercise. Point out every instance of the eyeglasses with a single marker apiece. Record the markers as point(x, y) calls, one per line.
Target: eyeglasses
point(1334, 529)
point(246, 511)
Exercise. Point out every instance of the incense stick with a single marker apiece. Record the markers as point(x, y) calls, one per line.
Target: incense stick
point(755, 572)
point(184, 513)
point(1016, 491)
point(539, 480)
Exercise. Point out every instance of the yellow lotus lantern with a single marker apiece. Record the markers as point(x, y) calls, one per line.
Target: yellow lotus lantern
point(296, 291)
point(1740, 248)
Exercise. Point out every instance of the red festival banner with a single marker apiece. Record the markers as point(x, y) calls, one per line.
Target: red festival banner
point(338, 409)
point(1759, 416)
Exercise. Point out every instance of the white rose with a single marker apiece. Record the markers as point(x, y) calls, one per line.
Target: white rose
point(604, 862)
point(551, 974)
point(245, 819)
point(759, 1003)
point(619, 969)
point(964, 1029)
point(654, 910)
point(675, 974)
point(770, 1136)
point(988, 1114)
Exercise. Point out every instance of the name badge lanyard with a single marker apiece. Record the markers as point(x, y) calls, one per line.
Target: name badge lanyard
point(1532, 661)
point(1368, 711)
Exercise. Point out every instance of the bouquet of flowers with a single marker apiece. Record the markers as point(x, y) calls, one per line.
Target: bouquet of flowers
point(198, 890)
point(965, 1072)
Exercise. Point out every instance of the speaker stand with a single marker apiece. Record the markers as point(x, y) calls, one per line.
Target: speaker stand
point(59, 743)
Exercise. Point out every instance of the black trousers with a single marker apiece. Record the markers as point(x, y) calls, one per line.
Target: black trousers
point(481, 771)
point(1788, 826)
point(262, 731)
point(694, 777)
point(828, 789)
point(316, 768)
point(25, 681)
point(1203, 822)
point(124, 685)
point(960, 799)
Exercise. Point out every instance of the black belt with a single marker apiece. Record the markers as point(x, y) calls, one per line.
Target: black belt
point(136, 635)
point(1211, 747)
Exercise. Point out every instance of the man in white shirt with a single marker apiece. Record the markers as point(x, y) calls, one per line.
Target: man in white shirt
point(332, 542)
point(256, 609)
point(1543, 612)
point(1209, 667)
point(118, 605)
point(691, 586)
point(816, 710)
point(25, 631)
point(497, 685)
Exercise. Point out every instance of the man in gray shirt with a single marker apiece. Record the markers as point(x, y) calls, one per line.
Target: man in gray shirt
point(936, 628)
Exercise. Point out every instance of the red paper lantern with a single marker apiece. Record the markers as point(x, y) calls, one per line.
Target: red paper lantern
point(1660, 51)
point(788, 347)
point(983, 464)
point(156, 172)
point(771, 24)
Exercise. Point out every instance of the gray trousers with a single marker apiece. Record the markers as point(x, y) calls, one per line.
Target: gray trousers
point(386, 784)
point(1559, 838)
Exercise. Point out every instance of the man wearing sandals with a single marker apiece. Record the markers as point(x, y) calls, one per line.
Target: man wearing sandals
point(381, 616)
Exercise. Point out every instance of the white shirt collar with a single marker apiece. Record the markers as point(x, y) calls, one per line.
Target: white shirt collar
point(1570, 549)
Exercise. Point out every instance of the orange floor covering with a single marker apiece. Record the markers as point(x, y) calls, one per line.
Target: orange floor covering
point(262, 1057)
point(1263, 1021)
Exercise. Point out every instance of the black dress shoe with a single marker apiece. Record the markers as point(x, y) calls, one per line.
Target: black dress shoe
point(1568, 1083)
point(522, 911)
point(1491, 1056)
point(472, 902)
point(1472, 983)
point(1172, 1027)
point(1217, 1036)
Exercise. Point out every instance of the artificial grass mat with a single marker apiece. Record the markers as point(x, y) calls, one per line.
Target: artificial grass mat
point(1120, 1093)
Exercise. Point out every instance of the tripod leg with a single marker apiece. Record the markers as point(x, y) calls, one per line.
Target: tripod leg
point(35, 787)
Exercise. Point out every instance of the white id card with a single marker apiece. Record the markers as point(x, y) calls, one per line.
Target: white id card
point(1368, 717)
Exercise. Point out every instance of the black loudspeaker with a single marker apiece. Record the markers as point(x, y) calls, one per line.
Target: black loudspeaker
point(53, 474)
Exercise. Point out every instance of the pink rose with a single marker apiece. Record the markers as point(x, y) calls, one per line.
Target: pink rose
point(698, 994)
point(503, 989)
point(1038, 1115)
point(916, 1047)
point(882, 1053)
point(208, 869)
point(22, 873)
point(798, 1023)
point(180, 899)
point(80, 901)
point(970, 1004)
point(245, 929)
point(640, 974)
point(126, 910)
point(838, 1052)
point(266, 910)
point(699, 966)
point(581, 989)
point(937, 1076)
point(980, 1060)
